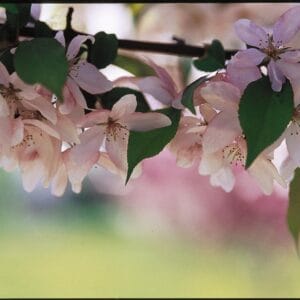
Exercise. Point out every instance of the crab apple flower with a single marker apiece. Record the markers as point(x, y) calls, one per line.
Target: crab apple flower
point(270, 48)
point(117, 123)
point(224, 127)
point(81, 75)
point(223, 164)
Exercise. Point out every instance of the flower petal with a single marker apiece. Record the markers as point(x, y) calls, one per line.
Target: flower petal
point(60, 181)
point(221, 95)
point(42, 125)
point(4, 75)
point(224, 178)
point(293, 141)
point(210, 163)
point(60, 38)
point(76, 43)
point(221, 131)
point(276, 76)
point(287, 26)
point(291, 56)
point(146, 121)
point(251, 34)
point(89, 78)
point(124, 106)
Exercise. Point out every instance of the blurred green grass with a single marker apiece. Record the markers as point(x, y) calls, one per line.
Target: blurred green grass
point(74, 249)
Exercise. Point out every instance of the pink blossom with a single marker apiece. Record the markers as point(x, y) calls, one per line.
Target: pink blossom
point(268, 48)
point(81, 75)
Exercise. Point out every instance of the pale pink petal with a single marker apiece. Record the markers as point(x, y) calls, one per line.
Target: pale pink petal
point(67, 129)
point(4, 75)
point(275, 75)
point(76, 93)
point(124, 106)
point(221, 131)
point(293, 141)
point(152, 85)
point(291, 56)
point(93, 118)
point(81, 158)
point(210, 163)
point(43, 106)
point(11, 131)
point(287, 26)
point(146, 121)
point(69, 102)
point(249, 57)
point(27, 90)
point(60, 38)
point(17, 131)
point(60, 181)
point(221, 95)
point(42, 125)
point(250, 33)
point(31, 172)
point(116, 147)
point(207, 112)
point(89, 78)
point(287, 168)
point(76, 43)
point(224, 178)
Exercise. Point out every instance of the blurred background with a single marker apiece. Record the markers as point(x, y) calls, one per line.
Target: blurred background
point(168, 233)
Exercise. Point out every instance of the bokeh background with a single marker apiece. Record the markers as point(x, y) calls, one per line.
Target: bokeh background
point(168, 233)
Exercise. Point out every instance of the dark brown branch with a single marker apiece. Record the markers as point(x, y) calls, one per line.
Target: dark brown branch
point(179, 48)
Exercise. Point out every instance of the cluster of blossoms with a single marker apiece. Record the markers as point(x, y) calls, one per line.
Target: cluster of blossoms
point(54, 142)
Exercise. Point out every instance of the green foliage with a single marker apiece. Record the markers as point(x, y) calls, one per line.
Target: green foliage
point(41, 29)
point(104, 50)
point(264, 115)
point(143, 145)
point(42, 60)
point(134, 66)
point(108, 99)
point(293, 214)
point(188, 94)
point(214, 58)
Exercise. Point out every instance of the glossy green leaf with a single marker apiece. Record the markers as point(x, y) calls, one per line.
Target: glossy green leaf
point(264, 115)
point(42, 60)
point(143, 145)
point(214, 58)
point(293, 214)
point(134, 66)
point(188, 94)
point(108, 99)
point(104, 50)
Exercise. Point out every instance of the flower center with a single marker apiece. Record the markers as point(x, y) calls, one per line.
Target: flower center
point(115, 129)
point(274, 49)
point(234, 155)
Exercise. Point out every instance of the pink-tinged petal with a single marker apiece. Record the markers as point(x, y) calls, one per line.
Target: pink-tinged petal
point(185, 158)
point(250, 33)
point(76, 43)
point(221, 131)
point(287, 168)
point(11, 132)
point(116, 147)
point(210, 163)
point(293, 141)
point(89, 78)
point(4, 109)
point(292, 72)
point(17, 131)
point(43, 126)
point(60, 38)
point(67, 129)
point(31, 173)
point(248, 57)
point(153, 85)
point(224, 178)
point(4, 75)
point(27, 91)
point(60, 181)
point(76, 93)
point(43, 106)
point(146, 121)
point(207, 112)
point(242, 76)
point(69, 102)
point(291, 56)
point(276, 76)
point(124, 106)
point(221, 95)
point(265, 173)
point(81, 158)
point(93, 118)
point(287, 26)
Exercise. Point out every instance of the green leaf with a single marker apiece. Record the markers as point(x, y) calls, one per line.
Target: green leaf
point(41, 29)
point(293, 214)
point(264, 115)
point(134, 66)
point(10, 7)
point(214, 59)
point(108, 99)
point(42, 60)
point(104, 50)
point(188, 94)
point(143, 145)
